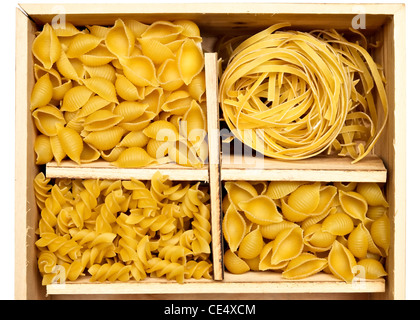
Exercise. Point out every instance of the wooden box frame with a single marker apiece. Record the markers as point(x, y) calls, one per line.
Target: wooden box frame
point(384, 22)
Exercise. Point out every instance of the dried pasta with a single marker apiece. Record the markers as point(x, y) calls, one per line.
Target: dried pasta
point(303, 228)
point(293, 95)
point(122, 230)
point(106, 83)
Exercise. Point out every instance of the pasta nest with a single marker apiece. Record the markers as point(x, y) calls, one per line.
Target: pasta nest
point(293, 95)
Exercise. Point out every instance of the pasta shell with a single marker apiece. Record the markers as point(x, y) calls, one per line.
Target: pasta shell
point(261, 210)
point(239, 191)
point(133, 157)
point(54, 76)
point(316, 239)
point(380, 231)
point(46, 47)
point(126, 90)
point(94, 104)
point(287, 245)
point(68, 68)
point(376, 212)
point(341, 262)
point(42, 92)
point(234, 228)
point(271, 231)
point(178, 102)
point(292, 214)
point(305, 198)
point(81, 44)
point(60, 91)
point(42, 147)
point(373, 194)
point(157, 149)
point(98, 31)
point(140, 70)
point(130, 110)
point(193, 124)
point(190, 61)
point(254, 264)
point(155, 50)
point(182, 154)
point(106, 71)
point(139, 123)
point(280, 189)
point(304, 266)
point(97, 57)
point(134, 139)
point(358, 241)
point(266, 259)
point(68, 30)
point(101, 120)
point(153, 98)
point(120, 39)
point(112, 155)
point(190, 29)
point(57, 149)
point(353, 204)
point(163, 31)
point(102, 87)
point(162, 131)
point(75, 98)
point(251, 245)
point(197, 87)
point(47, 118)
point(234, 264)
point(105, 139)
point(338, 224)
point(327, 196)
point(168, 75)
point(372, 269)
point(136, 27)
point(71, 143)
point(89, 154)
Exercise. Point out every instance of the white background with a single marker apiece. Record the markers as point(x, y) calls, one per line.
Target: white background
point(7, 149)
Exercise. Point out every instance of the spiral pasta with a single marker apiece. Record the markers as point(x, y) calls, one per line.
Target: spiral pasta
point(293, 95)
point(122, 230)
point(101, 84)
point(304, 228)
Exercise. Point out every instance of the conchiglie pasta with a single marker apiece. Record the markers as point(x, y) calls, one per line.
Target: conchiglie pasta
point(261, 229)
point(133, 70)
point(46, 47)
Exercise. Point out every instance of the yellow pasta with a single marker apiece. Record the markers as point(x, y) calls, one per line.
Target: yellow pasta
point(106, 83)
point(251, 245)
point(42, 92)
point(234, 228)
point(120, 39)
point(327, 229)
point(261, 210)
point(303, 266)
point(122, 230)
point(47, 119)
point(235, 264)
point(341, 262)
point(46, 47)
point(43, 150)
point(81, 44)
point(291, 95)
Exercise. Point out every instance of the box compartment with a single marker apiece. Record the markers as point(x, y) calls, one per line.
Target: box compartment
point(384, 23)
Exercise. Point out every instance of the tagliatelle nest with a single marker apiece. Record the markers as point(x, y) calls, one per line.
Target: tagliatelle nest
point(293, 95)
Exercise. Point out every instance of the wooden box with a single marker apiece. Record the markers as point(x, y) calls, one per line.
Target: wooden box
point(384, 23)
